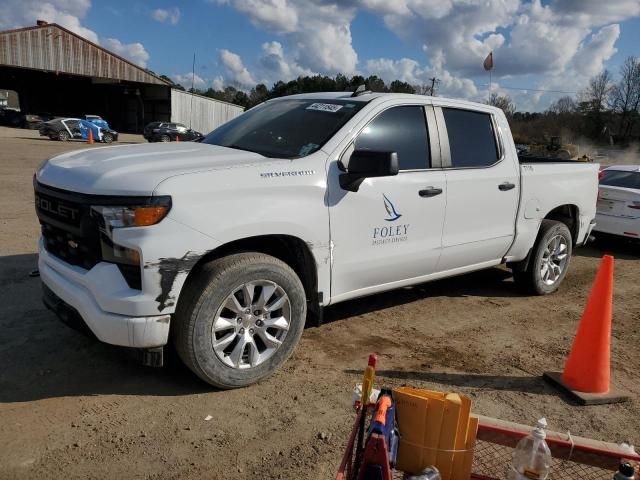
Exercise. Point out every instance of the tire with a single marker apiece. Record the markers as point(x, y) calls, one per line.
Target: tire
point(107, 138)
point(226, 363)
point(165, 138)
point(553, 247)
point(63, 136)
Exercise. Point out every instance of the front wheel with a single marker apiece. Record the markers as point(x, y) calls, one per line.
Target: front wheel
point(63, 136)
point(549, 260)
point(239, 319)
point(107, 138)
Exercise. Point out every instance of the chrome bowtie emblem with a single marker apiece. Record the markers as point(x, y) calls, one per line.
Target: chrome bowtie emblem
point(72, 244)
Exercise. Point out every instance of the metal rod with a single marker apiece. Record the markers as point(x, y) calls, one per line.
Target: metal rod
point(193, 80)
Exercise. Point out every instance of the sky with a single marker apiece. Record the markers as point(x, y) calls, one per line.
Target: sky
point(543, 49)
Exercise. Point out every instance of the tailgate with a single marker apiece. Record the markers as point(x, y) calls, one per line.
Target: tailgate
point(619, 202)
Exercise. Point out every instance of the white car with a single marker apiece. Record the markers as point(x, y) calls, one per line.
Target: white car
point(619, 201)
point(225, 246)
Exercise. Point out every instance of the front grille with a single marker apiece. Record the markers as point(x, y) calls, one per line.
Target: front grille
point(73, 249)
point(68, 230)
point(72, 233)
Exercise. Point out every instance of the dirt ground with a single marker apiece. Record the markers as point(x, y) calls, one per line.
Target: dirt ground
point(74, 408)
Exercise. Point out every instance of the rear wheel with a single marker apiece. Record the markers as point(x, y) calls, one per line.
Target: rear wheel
point(549, 260)
point(63, 136)
point(239, 319)
point(165, 138)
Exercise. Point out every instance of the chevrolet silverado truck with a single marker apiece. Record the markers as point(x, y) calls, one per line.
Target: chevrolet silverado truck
point(226, 247)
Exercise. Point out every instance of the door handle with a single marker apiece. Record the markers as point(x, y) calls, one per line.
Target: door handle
point(506, 186)
point(430, 192)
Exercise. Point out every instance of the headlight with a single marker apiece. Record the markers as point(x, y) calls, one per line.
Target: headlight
point(108, 217)
point(130, 216)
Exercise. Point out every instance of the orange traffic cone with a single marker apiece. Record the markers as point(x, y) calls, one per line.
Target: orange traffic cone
point(586, 373)
point(177, 138)
point(90, 137)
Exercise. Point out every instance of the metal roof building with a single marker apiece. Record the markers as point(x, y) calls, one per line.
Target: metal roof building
point(57, 71)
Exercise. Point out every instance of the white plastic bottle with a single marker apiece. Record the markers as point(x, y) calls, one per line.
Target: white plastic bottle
point(532, 457)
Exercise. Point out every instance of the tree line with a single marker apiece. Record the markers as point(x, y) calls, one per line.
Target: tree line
point(605, 111)
point(307, 84)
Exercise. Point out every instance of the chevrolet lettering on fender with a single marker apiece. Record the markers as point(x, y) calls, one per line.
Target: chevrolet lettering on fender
point(226, 247)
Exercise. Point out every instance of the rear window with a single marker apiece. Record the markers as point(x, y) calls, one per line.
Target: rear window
point(471, 138)
point(620, 178)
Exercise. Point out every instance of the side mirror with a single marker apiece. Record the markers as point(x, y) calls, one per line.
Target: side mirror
point(368, 164)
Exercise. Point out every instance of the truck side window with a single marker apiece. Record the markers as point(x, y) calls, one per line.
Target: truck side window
point(471, 138)
point(402, 130)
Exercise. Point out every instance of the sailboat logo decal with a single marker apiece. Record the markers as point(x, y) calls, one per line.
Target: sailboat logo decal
point(391, 210)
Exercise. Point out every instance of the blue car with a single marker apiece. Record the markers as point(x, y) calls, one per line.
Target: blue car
point(97, 120)
point(64, 129)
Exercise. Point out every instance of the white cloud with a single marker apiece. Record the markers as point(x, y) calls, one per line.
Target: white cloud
point(318, 33)
point(410, 71)
point(185, 80)
point(135, 52)
point(236, 70)
point(171, 15)
point(217, 83)
point(560, 43)
point(277, 67)
point(275, 15)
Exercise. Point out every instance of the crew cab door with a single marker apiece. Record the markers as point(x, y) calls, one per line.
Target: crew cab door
point(482, 188)
point(389, 231)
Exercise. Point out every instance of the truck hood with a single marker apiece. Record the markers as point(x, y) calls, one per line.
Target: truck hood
point(138, 169)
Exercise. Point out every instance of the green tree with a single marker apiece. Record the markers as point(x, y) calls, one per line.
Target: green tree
point(375, 84)
point(401, 87)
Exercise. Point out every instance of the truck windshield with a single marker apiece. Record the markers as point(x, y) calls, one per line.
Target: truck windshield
point(291, 128)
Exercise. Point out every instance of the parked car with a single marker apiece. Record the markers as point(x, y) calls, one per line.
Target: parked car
point(169, 131)
point(97, 120)
point(10, 117)
point(299, 203)
point(34, 122)
point(619, 201)
point(77, 129)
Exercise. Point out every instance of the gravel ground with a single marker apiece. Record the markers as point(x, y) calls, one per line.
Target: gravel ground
point(74, 408)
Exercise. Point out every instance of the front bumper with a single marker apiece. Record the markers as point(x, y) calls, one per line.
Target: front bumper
point(69, 292)
point(623, 226)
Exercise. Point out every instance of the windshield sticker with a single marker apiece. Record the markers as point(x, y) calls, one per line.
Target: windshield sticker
point(324, 107)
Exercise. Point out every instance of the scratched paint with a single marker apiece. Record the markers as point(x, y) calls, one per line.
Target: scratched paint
point(169, 268)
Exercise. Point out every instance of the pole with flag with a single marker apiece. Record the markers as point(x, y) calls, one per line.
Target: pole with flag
point(488, 66)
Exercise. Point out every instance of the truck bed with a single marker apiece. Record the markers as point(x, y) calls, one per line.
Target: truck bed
point(535, 159)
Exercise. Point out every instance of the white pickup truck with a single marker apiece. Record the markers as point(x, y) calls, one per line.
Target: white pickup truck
point(226, 246)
